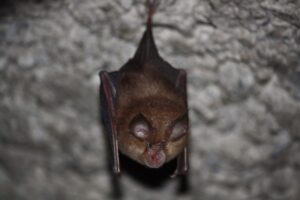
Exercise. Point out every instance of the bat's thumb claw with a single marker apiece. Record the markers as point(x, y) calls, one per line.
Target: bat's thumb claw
point(116, 170)
point(177, 172)
point(174, 175)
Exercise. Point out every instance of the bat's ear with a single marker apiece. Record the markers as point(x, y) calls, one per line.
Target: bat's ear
point(181, 81)
point(182, 160)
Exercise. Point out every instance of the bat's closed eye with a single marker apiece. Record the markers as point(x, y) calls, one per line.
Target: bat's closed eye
point(139, 127)
point(179, 128)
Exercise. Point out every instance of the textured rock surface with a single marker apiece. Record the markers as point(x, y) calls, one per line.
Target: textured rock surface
point(244, 95)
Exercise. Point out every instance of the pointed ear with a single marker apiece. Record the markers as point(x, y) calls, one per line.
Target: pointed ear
point(107, 97)
point(181, 81)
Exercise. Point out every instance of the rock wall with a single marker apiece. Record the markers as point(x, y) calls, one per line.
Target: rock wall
point(243, 63)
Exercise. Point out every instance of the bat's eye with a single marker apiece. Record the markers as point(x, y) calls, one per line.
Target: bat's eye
point(140, 130)
point(139, 127)
point(179, 130)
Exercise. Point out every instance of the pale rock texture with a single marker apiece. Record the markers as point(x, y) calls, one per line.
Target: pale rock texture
point(243, 64)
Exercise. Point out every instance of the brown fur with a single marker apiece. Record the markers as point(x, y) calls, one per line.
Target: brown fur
point(151, 95)
point(149, 89)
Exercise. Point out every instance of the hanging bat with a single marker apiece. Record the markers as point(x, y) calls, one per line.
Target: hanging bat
point(144, 107)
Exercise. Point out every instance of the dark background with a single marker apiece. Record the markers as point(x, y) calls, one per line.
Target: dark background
point(243, 63)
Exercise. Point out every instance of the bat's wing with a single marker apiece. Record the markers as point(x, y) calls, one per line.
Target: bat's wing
point(182, 163)
point(182, 160)
point(108, 112)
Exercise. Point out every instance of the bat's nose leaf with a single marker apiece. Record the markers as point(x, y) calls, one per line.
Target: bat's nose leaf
point(155, 158)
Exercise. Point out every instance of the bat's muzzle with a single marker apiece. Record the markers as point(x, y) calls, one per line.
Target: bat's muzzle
point(155, 157)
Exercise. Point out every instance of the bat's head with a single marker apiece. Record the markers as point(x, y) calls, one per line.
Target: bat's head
point(153, 132)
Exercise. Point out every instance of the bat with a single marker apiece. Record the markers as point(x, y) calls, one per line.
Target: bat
point(144, 107)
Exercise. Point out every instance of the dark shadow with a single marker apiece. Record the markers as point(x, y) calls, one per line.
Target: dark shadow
point(183, 187)
point(11, 7)
point(153, 178)
point(7, 7)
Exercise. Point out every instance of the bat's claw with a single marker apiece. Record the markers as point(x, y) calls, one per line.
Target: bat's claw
point(180, 172)
point(117, 171)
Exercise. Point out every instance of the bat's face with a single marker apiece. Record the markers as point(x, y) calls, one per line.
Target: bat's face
point(154, 132)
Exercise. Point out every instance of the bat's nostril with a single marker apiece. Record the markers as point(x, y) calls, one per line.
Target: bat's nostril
point(155, 158)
